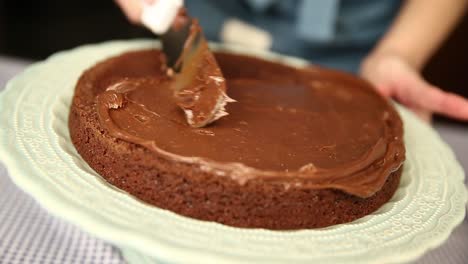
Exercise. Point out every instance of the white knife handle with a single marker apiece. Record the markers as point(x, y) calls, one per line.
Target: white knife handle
point(158, 17)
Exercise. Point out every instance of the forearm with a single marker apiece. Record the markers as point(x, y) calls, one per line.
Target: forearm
point(420, 28)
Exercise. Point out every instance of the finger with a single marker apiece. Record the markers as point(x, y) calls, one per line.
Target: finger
point(423, 114)
point(448, 104)
point(417, 93)
point(385, 91)
point(132, 9)
point(410, 90)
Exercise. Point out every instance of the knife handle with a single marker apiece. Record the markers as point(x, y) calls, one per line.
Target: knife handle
point(159, 15)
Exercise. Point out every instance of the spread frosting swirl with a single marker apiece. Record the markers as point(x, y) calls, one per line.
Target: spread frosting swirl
point(310, 128)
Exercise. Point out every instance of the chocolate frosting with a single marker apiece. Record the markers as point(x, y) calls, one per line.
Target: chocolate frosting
point(199, 88)
point(310, 128)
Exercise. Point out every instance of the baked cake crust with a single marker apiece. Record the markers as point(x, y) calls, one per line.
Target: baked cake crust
point(188, 190)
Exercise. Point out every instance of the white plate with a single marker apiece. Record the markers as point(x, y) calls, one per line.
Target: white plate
point(36, 148)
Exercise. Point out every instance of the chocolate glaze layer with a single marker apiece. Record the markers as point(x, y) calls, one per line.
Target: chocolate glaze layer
point(199, 88)
point(310, 127)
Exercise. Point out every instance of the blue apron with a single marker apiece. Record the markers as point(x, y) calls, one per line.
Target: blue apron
point(332, 33)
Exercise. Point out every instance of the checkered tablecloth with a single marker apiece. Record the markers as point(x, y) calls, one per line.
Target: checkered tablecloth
point(29, 234)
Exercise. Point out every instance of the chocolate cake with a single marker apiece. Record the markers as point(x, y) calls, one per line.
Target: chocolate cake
point(300, 148)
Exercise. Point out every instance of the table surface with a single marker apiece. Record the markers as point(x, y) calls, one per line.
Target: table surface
point(29, 234)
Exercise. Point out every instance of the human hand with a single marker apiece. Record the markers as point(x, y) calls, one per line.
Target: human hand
point(133, 9)
point(395, 78)
point(157, 16)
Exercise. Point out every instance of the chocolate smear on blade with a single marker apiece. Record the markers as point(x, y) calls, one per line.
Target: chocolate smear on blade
point(199, 87)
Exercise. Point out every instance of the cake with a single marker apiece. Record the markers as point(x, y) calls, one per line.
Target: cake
point(300, 148)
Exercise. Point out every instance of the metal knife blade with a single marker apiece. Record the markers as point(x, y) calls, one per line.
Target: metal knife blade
point(198, 83)
point(173, 42)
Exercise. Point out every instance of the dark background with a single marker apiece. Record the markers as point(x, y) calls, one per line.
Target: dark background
point(35, 29)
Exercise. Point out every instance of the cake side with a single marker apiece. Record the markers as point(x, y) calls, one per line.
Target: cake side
point(196, 194)
point(188, 190)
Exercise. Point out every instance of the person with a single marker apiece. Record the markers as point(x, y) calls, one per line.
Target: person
point(387, 42)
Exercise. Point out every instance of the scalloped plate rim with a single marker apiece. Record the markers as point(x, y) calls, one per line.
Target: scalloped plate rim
point(22, 177)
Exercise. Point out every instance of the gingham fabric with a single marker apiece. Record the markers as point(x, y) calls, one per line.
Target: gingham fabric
point(29, 234)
